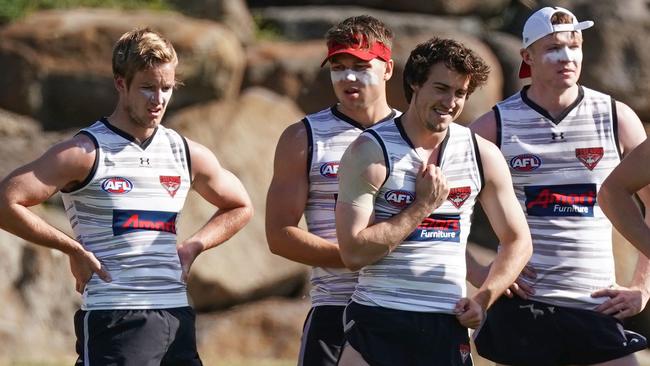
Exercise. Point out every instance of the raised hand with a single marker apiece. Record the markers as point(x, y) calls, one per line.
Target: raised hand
point(431, 186)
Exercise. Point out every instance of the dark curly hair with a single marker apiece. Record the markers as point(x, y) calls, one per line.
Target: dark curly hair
point(453, 54)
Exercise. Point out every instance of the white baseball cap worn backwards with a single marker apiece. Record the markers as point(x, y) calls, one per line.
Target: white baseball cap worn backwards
point(539, 25)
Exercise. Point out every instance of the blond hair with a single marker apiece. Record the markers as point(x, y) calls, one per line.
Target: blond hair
point(141, 49)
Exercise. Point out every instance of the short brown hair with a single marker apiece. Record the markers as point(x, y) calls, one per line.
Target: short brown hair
point(561, 17)
point(140, 49)
point(453, 54)
point(372, 29)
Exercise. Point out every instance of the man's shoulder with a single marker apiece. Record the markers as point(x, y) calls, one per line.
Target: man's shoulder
point(591, 93)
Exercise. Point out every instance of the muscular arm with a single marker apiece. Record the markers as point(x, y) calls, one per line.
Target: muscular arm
point(286, 201)
point(221, 188)
point(63, 166)
point(509, 224)
point(361, 172)
point(484, 126)
point(615, 198)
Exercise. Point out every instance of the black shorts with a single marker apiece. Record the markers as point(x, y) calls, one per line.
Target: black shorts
point(532, 333)
point(164, 337)
point(322, 336)
point(394, 337)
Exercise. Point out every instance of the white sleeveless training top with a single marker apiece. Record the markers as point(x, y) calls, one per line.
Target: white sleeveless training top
point(125, 213)
point(426, 272)
point(330, 133)
point(557, 166)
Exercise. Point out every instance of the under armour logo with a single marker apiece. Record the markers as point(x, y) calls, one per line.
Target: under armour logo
point(535, 312)
point(557, 136)
point(144, 161)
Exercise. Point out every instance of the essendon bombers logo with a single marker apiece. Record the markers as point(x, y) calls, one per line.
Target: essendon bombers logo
point(561, 200)
point(171, 183)
point(125, 221)
point(457, 196)
point(399, 198)
point(464, 351)
point(330, 169)
point(590, 156)
point(437, 228)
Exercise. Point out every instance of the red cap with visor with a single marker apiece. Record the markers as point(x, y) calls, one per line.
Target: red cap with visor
point(361, 50)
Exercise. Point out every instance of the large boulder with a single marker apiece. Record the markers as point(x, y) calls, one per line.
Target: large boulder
point(484, 8)
point(38, 295)
point(615, 58)
point(312, 22)
point(232, 13)
point(61, 62)
point(506, 48)
point(268, 329)
point(242, 134)
point(291, 69)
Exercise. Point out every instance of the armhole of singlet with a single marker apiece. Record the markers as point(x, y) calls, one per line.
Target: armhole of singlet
point(615, 128)
point(497, 121)
point(384, 151)
point(188, 157)
point(93, 170)
point(479, 163)
point(310, 146)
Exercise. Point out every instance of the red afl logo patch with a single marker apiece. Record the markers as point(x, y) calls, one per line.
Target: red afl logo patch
point(457, 196)
point(170, 183)
point(590, 156)
point(117, 185)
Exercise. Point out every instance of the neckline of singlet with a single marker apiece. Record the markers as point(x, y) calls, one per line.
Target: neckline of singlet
point(539, 109)
point(127, 136)
point(402, 132)
point(338, 114)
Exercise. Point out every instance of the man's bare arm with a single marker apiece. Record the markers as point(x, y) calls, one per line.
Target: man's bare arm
point(508, 222)
point(285, 205)
point(223, 189)
point(64, 165)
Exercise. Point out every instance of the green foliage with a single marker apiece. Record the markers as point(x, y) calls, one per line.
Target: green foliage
point(14, 9)
point(264, 29)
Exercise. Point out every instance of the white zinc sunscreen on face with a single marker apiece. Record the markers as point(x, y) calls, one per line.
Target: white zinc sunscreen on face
point(165, 95)
point(564, 54)
point(365, 77)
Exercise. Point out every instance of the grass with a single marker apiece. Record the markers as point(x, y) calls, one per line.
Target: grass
point(11, 10)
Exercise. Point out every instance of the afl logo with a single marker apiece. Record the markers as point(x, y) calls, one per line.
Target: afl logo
point(399, 198)
point(330, 169)
point(525, 162)
point(117, 185)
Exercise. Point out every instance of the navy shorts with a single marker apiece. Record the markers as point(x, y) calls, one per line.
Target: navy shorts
point(394, 337)
point(160, 337)
point(322, 336)
point(532, 333)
